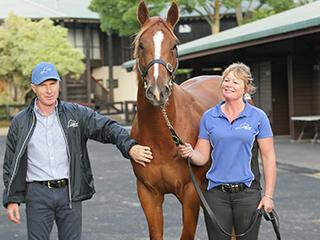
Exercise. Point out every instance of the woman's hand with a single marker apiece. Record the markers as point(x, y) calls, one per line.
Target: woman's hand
point(200, 155)
point(185, 150)
point(267, 203)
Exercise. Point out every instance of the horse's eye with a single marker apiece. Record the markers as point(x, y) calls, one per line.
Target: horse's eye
point(141, 46)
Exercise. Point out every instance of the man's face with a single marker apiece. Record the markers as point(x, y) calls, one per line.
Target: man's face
point(47, 92)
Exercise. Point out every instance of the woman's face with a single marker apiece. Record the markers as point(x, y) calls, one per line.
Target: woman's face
point(233, 88)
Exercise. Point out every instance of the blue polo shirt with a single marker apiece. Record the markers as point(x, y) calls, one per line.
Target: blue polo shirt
point(232, 143)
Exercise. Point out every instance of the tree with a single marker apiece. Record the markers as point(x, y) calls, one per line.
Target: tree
point(249, 10)
point(119, 16)
point(244, 10)
point(24, 43)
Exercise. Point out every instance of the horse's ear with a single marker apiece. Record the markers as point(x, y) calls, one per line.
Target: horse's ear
point(142, 13)
point(173, 14)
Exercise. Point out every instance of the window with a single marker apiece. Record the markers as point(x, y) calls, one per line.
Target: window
point(184, 28)
point(76, 37)
point(95, 44)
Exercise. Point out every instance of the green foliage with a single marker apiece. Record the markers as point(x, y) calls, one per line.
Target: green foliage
point(271, 7)
point(5, 99)
point(250, 10)
point(24, 43)
point(119, 16)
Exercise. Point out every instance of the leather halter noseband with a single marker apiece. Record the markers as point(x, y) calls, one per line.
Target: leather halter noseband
point(168, 66)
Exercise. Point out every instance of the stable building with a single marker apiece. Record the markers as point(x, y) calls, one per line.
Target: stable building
point(283, 52)
point(97, 87)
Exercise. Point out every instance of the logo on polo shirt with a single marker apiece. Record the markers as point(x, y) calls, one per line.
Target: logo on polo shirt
point(244, 126)
point(72, 123)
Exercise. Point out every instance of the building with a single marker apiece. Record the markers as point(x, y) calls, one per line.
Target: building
point(84, 33)
point(283, 51)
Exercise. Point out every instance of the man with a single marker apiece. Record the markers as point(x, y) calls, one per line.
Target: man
point(46, 162)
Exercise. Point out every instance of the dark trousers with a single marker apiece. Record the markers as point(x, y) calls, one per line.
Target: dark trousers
point(44, 206)
point(233, 209)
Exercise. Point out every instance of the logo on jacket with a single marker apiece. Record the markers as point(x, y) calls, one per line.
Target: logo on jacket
point(244, 126)
point(72, 123)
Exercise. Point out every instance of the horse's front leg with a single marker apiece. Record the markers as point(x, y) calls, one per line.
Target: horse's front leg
point(151, 201)
point(191, 206)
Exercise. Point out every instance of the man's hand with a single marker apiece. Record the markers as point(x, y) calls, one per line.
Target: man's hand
point(13, 212)
point(141, 154)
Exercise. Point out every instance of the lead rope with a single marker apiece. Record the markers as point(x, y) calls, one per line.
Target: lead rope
point(273, 216)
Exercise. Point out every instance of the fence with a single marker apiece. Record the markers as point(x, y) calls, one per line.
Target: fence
point(128, 108)
point(8, 111)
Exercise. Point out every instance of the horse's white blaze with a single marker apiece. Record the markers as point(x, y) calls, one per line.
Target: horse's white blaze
point(157, 40)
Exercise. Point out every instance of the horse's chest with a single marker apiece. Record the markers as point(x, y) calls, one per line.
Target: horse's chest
point(168, 176)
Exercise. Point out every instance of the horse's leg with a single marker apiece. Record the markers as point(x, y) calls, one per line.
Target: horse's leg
point(151, 201)
point(190, 207)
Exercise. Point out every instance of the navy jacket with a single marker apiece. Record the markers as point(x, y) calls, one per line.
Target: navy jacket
point(79, 124)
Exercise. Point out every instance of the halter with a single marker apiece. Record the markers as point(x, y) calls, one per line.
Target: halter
point(168, 66)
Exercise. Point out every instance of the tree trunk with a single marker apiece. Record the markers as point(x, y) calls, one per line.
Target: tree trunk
point(215, 26)
point(239, 16)
point(17, 94)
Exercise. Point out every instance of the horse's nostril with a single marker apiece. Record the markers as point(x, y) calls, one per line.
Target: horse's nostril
point(149, 93)
point(167, 91)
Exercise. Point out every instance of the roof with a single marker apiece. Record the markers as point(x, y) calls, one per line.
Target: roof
point(300, 18)
point(55, 9)
point(37, 9)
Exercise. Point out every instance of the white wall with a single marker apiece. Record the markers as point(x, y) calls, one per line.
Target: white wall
point(127, 82)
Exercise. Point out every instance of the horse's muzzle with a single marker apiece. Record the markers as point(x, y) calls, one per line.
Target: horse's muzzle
point(158, 96)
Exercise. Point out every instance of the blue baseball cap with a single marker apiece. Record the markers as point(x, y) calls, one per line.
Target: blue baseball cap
point(44, 71)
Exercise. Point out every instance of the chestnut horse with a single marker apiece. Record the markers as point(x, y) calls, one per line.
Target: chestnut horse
point(157, 62)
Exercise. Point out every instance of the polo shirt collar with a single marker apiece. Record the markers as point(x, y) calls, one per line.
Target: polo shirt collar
point(218, 112)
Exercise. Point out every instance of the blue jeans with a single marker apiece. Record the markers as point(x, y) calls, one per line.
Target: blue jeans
point(232, 209)
point(44, 206)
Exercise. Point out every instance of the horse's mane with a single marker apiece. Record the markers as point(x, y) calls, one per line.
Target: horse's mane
point(151, 22)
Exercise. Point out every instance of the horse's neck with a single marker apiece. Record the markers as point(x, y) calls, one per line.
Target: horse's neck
point(151, 123)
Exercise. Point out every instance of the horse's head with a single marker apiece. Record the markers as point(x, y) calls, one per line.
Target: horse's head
point(156, 53)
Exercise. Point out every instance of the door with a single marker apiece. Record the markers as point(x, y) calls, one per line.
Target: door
point(280, 100)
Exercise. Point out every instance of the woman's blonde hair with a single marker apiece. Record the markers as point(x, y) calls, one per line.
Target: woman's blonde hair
point(241, 71)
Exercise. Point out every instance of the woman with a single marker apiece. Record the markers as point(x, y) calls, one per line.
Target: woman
point(227, 135)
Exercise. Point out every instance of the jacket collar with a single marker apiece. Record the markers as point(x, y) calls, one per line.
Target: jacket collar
point(33, 103)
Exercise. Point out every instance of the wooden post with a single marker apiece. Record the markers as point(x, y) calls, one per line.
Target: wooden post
point(290, 94)
point(64, 88)
point(110, 67)
point(88, 65)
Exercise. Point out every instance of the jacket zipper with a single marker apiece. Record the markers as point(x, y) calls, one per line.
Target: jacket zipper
point(69, 157)
point(18, 157)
